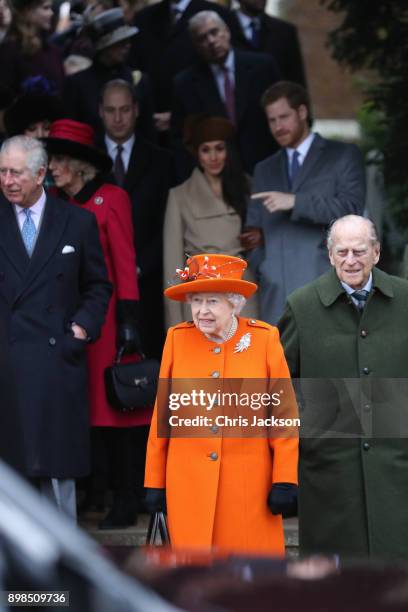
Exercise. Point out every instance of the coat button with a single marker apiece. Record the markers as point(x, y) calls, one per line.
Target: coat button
point(52, 342)
point(367, 407)
point(364, 333)
point(215, 374)
point(366, 446)
point(214, 428)
point(217, 350)
point(366, 370)
point(213, 456)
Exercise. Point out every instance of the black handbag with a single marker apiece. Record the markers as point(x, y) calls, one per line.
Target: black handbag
point(157, 527)
point(131, 386)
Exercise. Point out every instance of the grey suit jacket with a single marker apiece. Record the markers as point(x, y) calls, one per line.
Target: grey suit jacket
point(330, 184)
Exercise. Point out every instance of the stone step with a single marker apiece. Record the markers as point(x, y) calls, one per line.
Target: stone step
point(136, 535)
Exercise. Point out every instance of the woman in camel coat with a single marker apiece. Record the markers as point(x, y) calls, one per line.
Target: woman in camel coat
point(226, 493)
point(205, 214)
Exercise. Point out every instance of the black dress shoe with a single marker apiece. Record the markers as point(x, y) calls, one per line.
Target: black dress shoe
point(120, 516)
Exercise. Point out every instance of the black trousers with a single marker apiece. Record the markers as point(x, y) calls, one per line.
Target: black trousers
point(118, 462)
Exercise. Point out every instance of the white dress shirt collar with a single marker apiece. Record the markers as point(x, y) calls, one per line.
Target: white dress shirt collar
point(246, 23)
point(127, 147)
point(367, 286)
point(302, 149)
point(181, 5)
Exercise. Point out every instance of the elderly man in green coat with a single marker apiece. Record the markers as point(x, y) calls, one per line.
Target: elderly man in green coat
point(349, 330)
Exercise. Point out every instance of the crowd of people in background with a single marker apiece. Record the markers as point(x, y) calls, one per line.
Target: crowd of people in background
point(184, 127)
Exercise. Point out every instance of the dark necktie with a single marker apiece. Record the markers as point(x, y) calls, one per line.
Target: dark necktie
point(254, 29)
point(229, 95)
point(361, 296)
point(294, 167)
point(118, 167)
point(176, 13)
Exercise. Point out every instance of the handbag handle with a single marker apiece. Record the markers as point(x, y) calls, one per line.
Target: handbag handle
point(157, 525)
point(121, 350)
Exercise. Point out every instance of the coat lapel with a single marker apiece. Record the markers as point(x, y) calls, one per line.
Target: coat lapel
point(52, 227)
point(242, 84)
point(207, 90)
point(138, 163)
point(280, 166)
point(11, 241)
point(314, 154)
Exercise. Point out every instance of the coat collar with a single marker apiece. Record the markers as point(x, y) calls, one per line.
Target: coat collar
point(202, 201)
point(330, 289)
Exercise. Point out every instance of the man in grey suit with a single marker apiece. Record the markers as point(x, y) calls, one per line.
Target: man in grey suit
point(297, 193)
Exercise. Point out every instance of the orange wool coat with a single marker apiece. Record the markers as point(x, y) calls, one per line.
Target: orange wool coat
point(222, 503)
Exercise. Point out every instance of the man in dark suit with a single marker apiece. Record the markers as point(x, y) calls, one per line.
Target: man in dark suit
point(276, 37)
point(163, 46)
point(297, 192)
point(146, 172)
point(227, 83)
point(54, 293)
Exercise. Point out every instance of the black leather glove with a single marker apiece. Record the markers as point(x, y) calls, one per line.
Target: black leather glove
point(155, 501)
point(127, 335)
point(282, 499)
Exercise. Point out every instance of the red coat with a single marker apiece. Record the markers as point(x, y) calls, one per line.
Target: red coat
point(112, 208)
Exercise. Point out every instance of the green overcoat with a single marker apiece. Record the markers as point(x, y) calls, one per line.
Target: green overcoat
point(353, 470)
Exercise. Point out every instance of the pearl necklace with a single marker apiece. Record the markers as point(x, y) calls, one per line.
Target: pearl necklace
point(232, 329)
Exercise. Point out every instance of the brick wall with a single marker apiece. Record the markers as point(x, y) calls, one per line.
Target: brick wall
point(333, 90)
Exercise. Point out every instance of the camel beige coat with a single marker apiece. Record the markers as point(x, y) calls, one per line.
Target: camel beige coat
point(197, 221)
point(217, 487)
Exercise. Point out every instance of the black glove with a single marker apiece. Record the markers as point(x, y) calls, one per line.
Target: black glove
point(282, 499)
point(127, 335)
point(155, 501)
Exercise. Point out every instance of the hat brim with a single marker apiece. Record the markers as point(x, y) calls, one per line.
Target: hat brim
point(210, 285)
point(119, 35)
point(62, 146)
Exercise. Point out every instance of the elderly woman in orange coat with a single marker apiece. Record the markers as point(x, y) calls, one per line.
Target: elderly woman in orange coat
point(223, 493)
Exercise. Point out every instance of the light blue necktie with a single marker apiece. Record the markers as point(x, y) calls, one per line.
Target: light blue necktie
point(28, 231)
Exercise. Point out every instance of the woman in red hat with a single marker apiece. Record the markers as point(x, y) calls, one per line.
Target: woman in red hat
point(78, 170)
point(207, 212)
point(226, 483)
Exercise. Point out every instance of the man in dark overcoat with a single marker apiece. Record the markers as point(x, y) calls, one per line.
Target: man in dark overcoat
point(226, 82)
point(145, 171)
point(54, 294)
point(349, 329)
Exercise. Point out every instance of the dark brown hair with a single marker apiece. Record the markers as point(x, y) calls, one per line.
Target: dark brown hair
point(295, 94)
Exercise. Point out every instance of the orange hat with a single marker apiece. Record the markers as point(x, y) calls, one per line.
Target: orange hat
point(211, 273)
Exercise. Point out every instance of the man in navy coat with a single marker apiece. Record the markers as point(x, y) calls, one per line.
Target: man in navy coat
point(54, 293)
